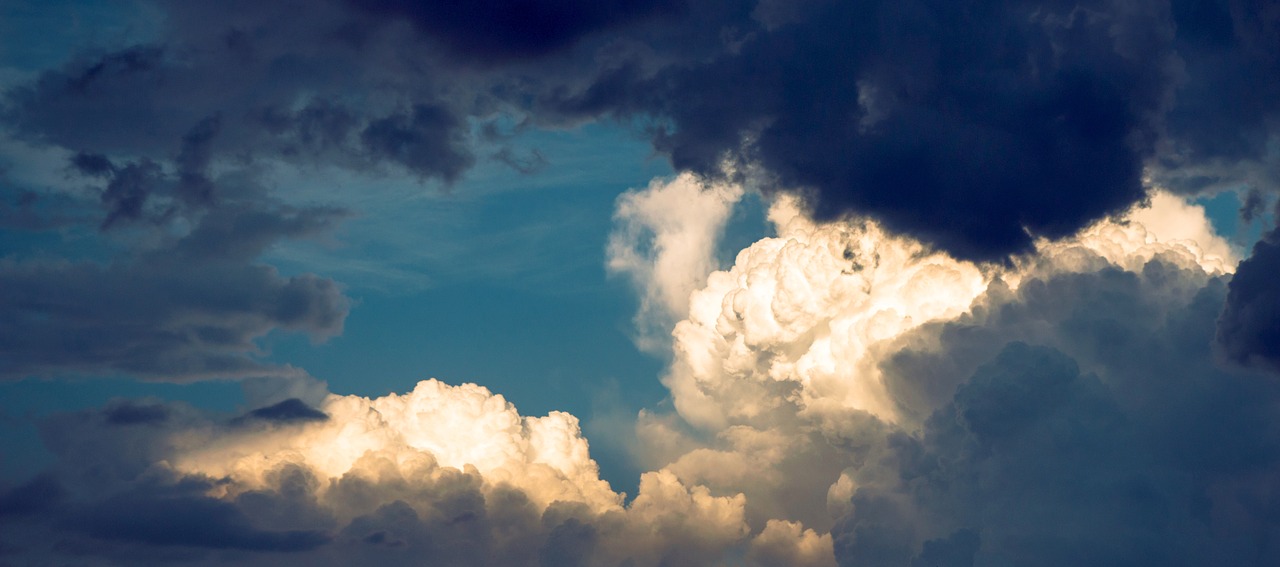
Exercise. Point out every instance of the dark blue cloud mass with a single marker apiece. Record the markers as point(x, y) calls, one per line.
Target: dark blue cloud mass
point(974, 126)
point(290, 410)
point(1249, 328)
point(1089, 424)
point(514, 29)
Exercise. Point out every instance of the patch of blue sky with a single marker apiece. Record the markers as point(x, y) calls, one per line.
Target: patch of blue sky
point(542, 230)
point(1223, 210)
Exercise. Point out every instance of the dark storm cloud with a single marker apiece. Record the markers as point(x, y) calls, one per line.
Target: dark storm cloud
point(1079, 420)
point(187, 310)
point(427, 140)
point(1223, 130)
point(186, 520)
point(514, 29)
point(92, 164)
point(33, 496)
point(1249, 328)
point(962, 124)
point(127, 193)
point(112, 496)
point(290, 410)
point(130, 413)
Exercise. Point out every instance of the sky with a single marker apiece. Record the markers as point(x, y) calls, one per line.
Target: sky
point(640, 283)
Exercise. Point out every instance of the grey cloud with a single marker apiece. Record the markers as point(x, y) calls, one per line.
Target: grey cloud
point(427, 140)
point(131, 495)
point(187, 310)
point(248, 82)
point(505, 30)
point(956, 550)
point(187, 520)
point(1078, 420)
point(31, 497)
point(1252, 207)
point(960, 125)
point(194, 186)
point(92, 164)
point(171, 134)
point(288, 411)
point(967, 126)
point(186, 297)
point(119, 506)
point(24, 210)
point(154, 321)
point(1249, 327)
point(126, 412)
point(964, 126)
point(1224, 127)
point(128, 191)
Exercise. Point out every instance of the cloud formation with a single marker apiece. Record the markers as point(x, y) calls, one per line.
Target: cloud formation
point(1064, 410)
point(1249, 327)
point(664, 241)
point(973, 130)
point(841, 396)
point(978, 335)
point(448, 474)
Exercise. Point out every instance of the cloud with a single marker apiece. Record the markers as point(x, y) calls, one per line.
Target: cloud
point(443, 474)
point(187, 521)
point(238, 82)
point(974, 131)
point(1249, 327)
point(179, 293)
point(1222, 131)
point(290, 410)
point(127, 413)
point(788, 543)
point(855, 389)
point(1079, 418)
point(664, 240)
point(30, 497)
point(1109, 436)
point(160, 316)
point(795, 319)
point(971, 130)
point(514, 30)
point(1061, 410)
